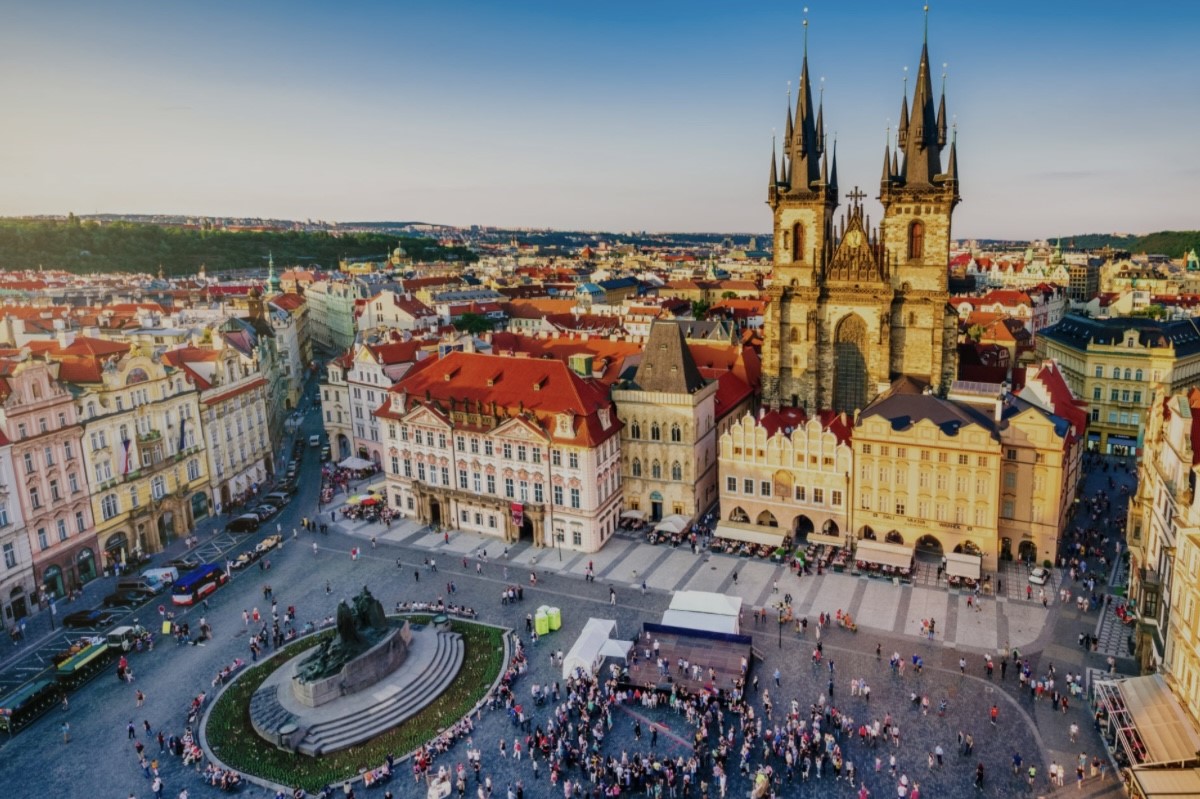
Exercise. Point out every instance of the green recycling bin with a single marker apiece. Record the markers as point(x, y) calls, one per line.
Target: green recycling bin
point(541, 623)
point(555, 616)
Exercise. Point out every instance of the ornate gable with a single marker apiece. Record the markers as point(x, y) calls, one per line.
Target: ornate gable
point(858, 258)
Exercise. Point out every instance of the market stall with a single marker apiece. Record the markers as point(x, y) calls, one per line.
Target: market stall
point(704, 610)
point(593, 645)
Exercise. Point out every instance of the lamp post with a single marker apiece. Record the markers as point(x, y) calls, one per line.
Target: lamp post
point(780, 626)
point(558, 538)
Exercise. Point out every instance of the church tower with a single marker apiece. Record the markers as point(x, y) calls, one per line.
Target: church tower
point(918, 199)
point(850, 309)
point(802, 192)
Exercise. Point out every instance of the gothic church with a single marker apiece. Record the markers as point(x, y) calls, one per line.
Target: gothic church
point(851, 308)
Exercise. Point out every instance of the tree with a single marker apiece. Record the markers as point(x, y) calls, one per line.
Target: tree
point(700, 308)
point(473, 323)
point(729, 295)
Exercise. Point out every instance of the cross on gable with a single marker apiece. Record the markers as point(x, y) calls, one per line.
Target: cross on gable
point(856, 196)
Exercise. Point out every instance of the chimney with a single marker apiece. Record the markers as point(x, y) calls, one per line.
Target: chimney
point(999, 408)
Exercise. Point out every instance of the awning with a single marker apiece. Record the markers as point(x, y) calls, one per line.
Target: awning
point(751, 533)
point(959, 564)
point(1161, 783)
point(1149, 723)
point(672, 524)
point(633, 514)
point(356, 463)
point(895, 555)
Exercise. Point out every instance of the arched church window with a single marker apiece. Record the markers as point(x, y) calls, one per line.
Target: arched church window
point(794, 335)
point(916, 240)
point(655, 432)
point(797, 242)
point(656, 470)
point(676, 471)
point(637, 467)
point(635, 430)
point(676, 434)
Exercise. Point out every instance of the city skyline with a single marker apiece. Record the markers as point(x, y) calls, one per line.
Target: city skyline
point(1071, 118)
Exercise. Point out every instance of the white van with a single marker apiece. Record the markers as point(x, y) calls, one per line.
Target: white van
point(162, 577)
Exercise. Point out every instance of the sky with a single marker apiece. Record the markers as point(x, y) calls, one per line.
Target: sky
point(1072, 117)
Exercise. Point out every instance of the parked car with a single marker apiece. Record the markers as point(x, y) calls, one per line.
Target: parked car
point(125, 598)
point(264, 511)
point(270, 542)
point(96, 617)
point(245, 559)
point(184, 563)
point(1039, 576)
point(246, 523)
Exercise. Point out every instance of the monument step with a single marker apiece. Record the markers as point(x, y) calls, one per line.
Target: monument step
point(430, 683)
point(392, 711)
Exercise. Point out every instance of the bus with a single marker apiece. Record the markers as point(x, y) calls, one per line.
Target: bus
point(198, 583)
point(27, 703)
point(84, 665)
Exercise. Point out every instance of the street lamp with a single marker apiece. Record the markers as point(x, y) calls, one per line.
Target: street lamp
point(781, 626)
point(558, 537)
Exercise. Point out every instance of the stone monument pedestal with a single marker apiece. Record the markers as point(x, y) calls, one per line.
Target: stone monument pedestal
point(362, 672)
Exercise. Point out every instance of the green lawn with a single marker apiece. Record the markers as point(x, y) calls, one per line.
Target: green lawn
point(234, 741)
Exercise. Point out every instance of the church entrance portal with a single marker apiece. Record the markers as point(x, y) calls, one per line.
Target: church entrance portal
point(435, 512)
point(850, 365)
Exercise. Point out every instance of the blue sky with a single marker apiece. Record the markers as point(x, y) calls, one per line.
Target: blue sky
point(1072, 116)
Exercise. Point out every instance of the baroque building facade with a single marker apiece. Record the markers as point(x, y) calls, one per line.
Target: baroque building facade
point(851, 308)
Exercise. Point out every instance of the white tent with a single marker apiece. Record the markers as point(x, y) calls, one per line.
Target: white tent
point(959, 564)
point(672, 524)
point(704, 610)
point(587, 651)
point(354, 462)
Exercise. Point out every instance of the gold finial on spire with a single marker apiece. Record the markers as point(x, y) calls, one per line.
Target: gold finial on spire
point(927, 23)
point(945, 69)
point(906, 80)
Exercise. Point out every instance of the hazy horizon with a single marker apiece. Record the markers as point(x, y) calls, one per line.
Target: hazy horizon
point(1072, 116)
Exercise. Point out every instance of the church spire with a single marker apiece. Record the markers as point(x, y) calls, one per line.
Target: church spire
point(941, 114)
point(886, 178)
point(922, 149)
point(952, 166)
point(773, 184)
point(833, 167)
point(787, 125)
point(803, 148)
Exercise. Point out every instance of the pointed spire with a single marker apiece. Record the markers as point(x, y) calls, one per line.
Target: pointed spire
point(774, 174)
point(821, 118)
point(896, 162)
point(902, 129)
point(886, 177)
point(941, 114)
point(833, 169)
point(787, 126)
point(952, 166)
point(922, 150)
point(824, 166)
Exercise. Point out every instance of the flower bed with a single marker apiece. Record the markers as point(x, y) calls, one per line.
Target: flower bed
point(233, 740)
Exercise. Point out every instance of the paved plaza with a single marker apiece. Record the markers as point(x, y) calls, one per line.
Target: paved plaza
point(100, 759)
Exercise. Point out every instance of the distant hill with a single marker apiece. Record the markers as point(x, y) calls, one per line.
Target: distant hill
point(1166, 242)
point(81, 246)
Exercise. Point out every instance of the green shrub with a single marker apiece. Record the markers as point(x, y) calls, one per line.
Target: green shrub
point(233, 740)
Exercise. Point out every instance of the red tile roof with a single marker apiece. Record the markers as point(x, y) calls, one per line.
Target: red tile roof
point(544, 388)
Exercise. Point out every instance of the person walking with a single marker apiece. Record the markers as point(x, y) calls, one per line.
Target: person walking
point(66, 732)
point(612, 596)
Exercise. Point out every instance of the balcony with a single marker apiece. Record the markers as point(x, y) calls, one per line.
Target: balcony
point(152, 435)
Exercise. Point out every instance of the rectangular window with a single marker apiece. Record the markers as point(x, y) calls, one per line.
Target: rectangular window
point(68, 453)
point(864, 501)
point(80, 526)
point(28, 463)
point(558, 495)
point(522, 452)
point(925, 455)
point(460, 443)
point(474, 446)
point(445, 475)
point(866, 449)
point(61, 525)
point(731, 485)
point(1097, 393)
point(509, 490)
point(801, 492)
point(764, 488)
point(49, 455)
point(748, 486)
point(4, 520)
point(408, 469)
point(577, 538)
point(900, 508)
point(963, 460)
point(10, 556)
point(1007, 508)
point(43, 539)
point(574, 497)
point(487, 447)
point(1112, 417)
point(818, 496)
point(35, 497)
point(1125, 395)
point(506, 451)
point(55, 494)
point(462, 478)
point(1112, 395)
point(835, 498)
point(491, 484)
point(537, 454)
point(421, 472)
point(573, 460)
point(538, 496)
point(556, 457)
